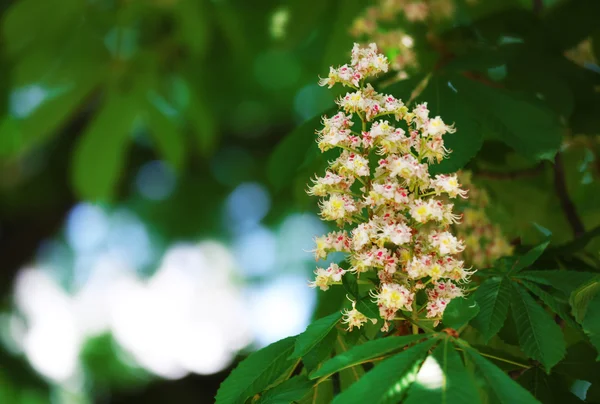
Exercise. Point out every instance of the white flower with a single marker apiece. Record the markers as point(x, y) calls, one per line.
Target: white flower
point(355, 318)
point(448, 184)
point(445, 243)
point(395, 297)
point(338, 207)
point(437, 127)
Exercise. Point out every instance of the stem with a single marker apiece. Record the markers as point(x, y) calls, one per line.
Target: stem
point(415, 314)
point(504, 360)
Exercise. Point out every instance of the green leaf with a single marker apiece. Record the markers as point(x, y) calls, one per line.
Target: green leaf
point(504, 389)
point(442, 100)
point(493, 297)
point(547, 388)
point(581, 297)
point(565, 281)
point(350, 375)
point(314, 334)
point(560, 308)
point(45, 120)
point(99, 156)
point(321, 351)
point(367, 307)
point(364, 353)
point(580, 363)
point(321, 393)
point(203, 123)
point(389, 380)
point(444, 379)
point(257, 372)
point(591, 323)
point(289, 391)
point(570, 22)
point(339, 42)
point(194, 24)
point(167, 135)
point(351, 285)
point(293, 150)
point(529, 258)
point(539, 336)
point(460, 311)
point(526, 125)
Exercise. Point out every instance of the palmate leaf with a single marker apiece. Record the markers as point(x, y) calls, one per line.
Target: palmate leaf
point(365, 353)
point(389, 380)
point(314, 334)
point(539, 336)
point(289, 391)
point(258, 372)
point(493, 298)
point(504, 389)
point(443, 379)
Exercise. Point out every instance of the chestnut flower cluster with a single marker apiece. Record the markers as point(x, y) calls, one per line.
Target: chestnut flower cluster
point(394, 217)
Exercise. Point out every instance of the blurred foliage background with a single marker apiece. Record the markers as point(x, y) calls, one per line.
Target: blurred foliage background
point(153, 221)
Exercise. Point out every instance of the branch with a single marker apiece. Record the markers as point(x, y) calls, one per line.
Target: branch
point(565, 201)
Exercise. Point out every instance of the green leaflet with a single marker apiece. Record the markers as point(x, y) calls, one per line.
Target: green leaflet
point(560, 308)
point(460, 311)
point(294, 150)
point(539, 336)
point(565, 281)
point(314, 333)
point(504, 389)
point(442, 100)
point(168, 137)
point(547, 388)
point(443, 379)
point(365, 353)
point(321, 393)
point(289, 391)
point(528, 258)
point(581, 297)
point(591, 323)
point(257, 372)
point(100, 154)
point(389, 380)
point(493, 299)
point(321, 351)
point(349, 375)
point(524, 124)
